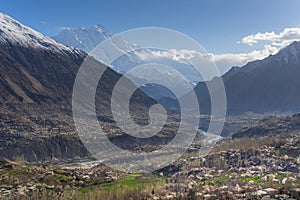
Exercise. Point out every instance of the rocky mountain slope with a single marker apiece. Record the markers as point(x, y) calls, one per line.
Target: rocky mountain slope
point(263, 86)
point(36, 69)
point(36, 82)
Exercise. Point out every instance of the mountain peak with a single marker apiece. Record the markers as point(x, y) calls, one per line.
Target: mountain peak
point(294, 47)
point(83, 38)
point(289, 54)
point(100, 28)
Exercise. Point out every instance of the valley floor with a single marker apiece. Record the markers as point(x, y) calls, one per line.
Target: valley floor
point(249, 168)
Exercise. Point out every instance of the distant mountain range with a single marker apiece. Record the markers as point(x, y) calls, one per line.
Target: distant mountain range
point(88, 38)
point(268, 85)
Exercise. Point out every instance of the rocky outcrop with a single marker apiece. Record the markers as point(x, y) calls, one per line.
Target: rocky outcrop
point(53, 148)
point(270, 125)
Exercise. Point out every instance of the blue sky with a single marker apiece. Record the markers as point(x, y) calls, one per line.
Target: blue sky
point(217, 25)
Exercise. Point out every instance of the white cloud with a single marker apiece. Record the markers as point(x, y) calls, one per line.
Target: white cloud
point(287, 36)
point(174, 54)
point(223, 61)
point(253, 39)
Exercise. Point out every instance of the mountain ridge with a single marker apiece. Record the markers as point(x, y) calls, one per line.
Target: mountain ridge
point(262, 86)
point(13, 32)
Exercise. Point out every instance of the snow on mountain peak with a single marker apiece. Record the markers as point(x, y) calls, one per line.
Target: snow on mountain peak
point(13, 32)
point(83, 38)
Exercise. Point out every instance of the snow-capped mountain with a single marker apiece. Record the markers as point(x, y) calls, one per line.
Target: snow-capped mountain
point(13, 32)
point(83, 38)
point(88, 38)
